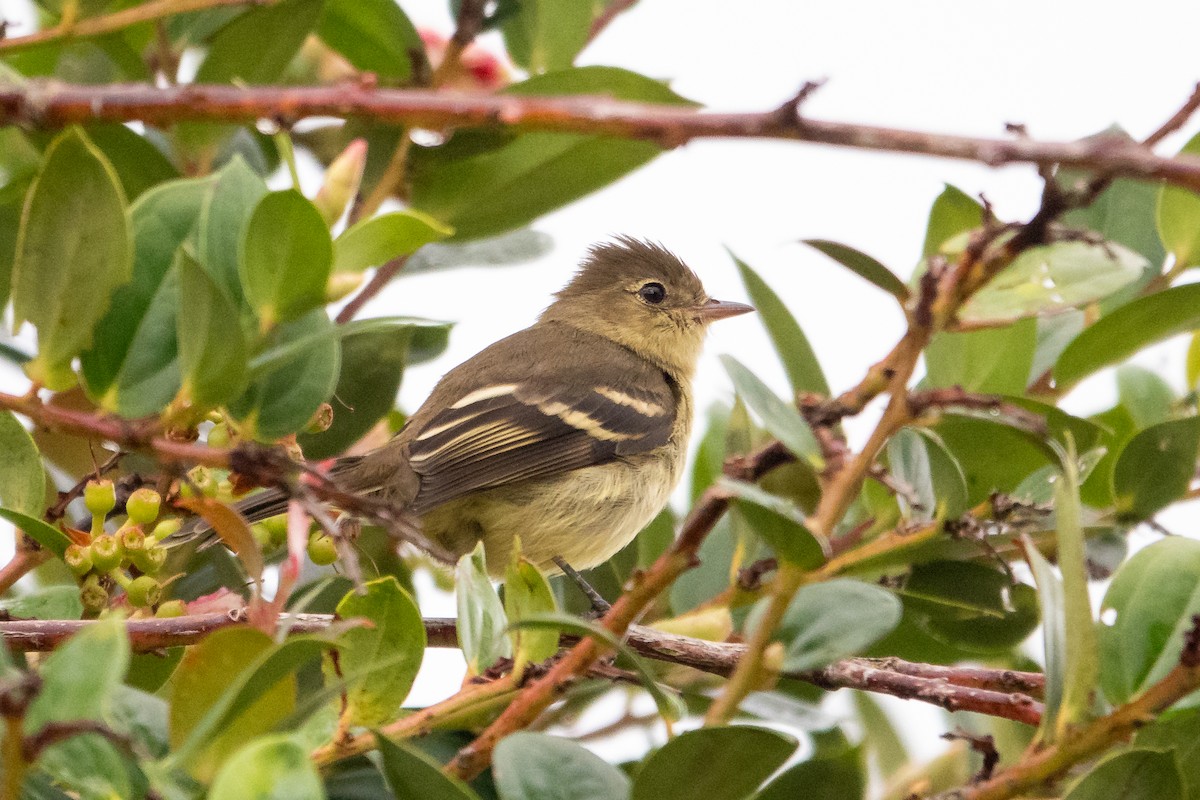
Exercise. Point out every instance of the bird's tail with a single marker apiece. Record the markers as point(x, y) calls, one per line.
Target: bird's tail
point(257, 507)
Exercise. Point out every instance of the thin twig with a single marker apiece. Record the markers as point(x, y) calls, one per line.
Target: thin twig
point(380, 279)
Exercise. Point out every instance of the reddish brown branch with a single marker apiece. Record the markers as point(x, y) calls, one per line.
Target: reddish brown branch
point(39, 103)
point(380, 279)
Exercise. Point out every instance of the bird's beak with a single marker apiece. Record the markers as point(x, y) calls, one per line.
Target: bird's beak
point(714, 310)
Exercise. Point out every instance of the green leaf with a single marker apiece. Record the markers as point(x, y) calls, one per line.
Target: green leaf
point(223, 223)
point(1178, 217)
point(779, 522)
point(924, 465)
point(954, 212)
point(1148, 398)
point(534, 766)
point(412, 775)
point(48, 537)
point(374, 354)
point(1054, 634)
point(836, 775)
point(256, 47)
point(268, 768)
point(970, 605)
point(374, 35)
point(1082, 657)
point(1153, 597)
point(516, 247)
point(864, 266)
point(1053, 278)
point(481, 618)
point(880, 737)
point(287, 257)
point(1155, 468)
point(212, 349)
point(831, 620)
point(138, 163)
point(780, 419)
point(992, 360)
point(22, 476)
point(74, 233)
point(1118, 335)
point(374, 693)
point(377, 240)
point(545, 35)
point(1131, 775)
point(49, 602)
point(486, 182)
point(729, 762)
point(79, 681)
point(132, 367)
point(527, 593)
point(1179, 732)
point(796, 354)
point(283, 400)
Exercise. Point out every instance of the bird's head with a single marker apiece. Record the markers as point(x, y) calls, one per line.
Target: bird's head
point(642, 296)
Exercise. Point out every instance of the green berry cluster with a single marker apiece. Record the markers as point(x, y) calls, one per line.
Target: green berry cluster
point(130, 559)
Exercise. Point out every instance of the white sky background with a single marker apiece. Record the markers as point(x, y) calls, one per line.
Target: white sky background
point(1066, 69)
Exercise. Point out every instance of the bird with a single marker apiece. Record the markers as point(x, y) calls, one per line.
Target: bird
point(569, 434)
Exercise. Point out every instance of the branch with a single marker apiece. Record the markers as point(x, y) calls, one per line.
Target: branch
point(110, 23)
point(49, 104)
point(381, 278)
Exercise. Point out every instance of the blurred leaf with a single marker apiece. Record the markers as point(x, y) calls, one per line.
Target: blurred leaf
point(138, 163)
point(920, 461)
point(864, 266)
point(374, 354)
point(74, 233)
point(375, 694)
point(1055, 277)
point(831, 620)
point(546, 35)
point(1179, 732)
point(268, 768)
point(836, 775)
point(1054, 633)
point(1178, 217)
point(1082, 665)
point(992, 360)
point(12, 202)
point(778, 522)
point(485, 182)
point(1154, 596)
point(1131, 775)
point(954, 212)
point(411, 775)
point(79, 681)
point(1120, 334)
point(880, 736)
point(994, 457)
point(1054, 333)
point(233, 529)
point(795, 353)
point(374, 35)
point(534, 766)
point(132, 367)
point(526, 593)
point(256, 47)
point(48, 602)
point(481, 619)
point(1147, 397)
point(212, 349)
point(377, 240)
point(970, 605)
point(287, 257)
point(729, 762)
point(149, 671)
point(1193, 361)
point(516, 247)
point(50, 538)
point(224, 219)
point(781, 419)
point(1155, 468)
point(22, 476)
point(283, 400)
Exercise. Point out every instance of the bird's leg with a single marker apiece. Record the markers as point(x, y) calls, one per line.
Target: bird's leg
point(599, 604)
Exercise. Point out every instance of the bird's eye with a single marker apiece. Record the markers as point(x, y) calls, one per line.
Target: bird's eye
point(653, 293)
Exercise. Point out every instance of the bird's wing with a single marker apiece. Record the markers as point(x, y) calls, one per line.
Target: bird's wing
point(509, 431)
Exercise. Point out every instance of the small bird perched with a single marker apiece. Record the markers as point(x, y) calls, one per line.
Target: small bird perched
point(569, 434)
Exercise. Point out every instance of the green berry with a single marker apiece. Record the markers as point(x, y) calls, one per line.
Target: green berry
point(142, 506)
point(150, 560)
point(107, 553)
point(93, 595)
point(321, 549)
point(171, 608)
point(277, 527)
point(100, 497)
point(165, 528)
point(79, 559)
point(143, 591)
point(219, 436)
point(262, 537)
point(132, 539)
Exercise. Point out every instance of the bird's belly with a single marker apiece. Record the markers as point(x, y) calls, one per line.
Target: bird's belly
point(584, 516)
